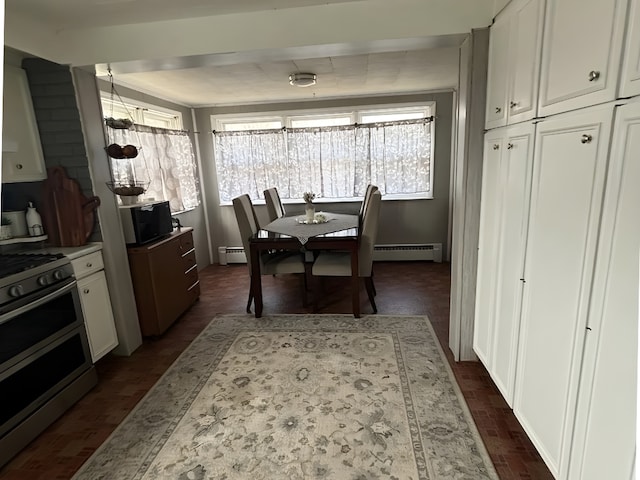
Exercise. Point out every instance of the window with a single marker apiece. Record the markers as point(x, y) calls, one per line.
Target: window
point(165, 163)
point(334, 154)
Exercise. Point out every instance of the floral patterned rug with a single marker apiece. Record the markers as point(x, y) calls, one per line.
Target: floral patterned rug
point(301, 397)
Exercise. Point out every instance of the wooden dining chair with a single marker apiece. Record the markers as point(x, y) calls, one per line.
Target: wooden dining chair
point(275, 209)
point(338, 264)
point(271, 263)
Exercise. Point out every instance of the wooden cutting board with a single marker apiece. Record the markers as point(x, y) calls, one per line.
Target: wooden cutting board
point(67, 214)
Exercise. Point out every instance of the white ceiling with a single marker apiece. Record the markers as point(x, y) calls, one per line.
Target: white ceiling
point(373, 67)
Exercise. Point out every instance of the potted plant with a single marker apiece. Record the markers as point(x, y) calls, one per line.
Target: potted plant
point(5, 228)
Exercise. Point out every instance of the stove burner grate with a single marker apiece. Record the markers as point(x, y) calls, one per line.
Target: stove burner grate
point(19, 262)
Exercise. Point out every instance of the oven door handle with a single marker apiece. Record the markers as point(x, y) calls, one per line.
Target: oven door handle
point(37, 303)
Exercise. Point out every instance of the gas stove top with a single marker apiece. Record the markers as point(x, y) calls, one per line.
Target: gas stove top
point(11, 264)
point(23, 274)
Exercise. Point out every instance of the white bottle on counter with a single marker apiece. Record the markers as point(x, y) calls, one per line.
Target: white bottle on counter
point(34, 221)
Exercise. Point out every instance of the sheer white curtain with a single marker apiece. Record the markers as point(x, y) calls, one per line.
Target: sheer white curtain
point(165, 160)
point(334, 162)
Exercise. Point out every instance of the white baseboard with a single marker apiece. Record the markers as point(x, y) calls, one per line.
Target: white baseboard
point(388, 253)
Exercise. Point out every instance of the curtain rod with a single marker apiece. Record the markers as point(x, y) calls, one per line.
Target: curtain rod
point(352, 125)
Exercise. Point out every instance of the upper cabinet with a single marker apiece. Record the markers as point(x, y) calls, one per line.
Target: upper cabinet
point(22, 159)
point(514, 60)
point(581, 54)
point(630, 77)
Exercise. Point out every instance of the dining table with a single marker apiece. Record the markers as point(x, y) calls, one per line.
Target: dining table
point(327, 232)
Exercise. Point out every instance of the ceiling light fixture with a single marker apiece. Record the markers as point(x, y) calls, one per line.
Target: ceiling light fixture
point(302, 79)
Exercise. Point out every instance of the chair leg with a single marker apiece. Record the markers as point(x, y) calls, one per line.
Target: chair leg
point(305, 301)
point(249, 301)
point(368, 283)
point(372, 284)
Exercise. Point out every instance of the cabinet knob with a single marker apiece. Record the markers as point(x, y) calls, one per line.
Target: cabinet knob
point(594, 75)
point(85, 291)
point(509, 146)
point(89, 264)
point(19, 166)
point(586, 138)
point(498, 109)
point(496, 146)
point(513, 104)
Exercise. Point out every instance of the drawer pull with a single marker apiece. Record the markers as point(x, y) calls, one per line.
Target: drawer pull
point(498, 109)
point(509, 146)
point(586, 138)
point(85, 291)
point(19, 166)
point(89, 264)
point(594, 75)
point(496, 146)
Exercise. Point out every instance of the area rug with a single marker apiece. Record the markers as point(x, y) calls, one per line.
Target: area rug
point(301, 397)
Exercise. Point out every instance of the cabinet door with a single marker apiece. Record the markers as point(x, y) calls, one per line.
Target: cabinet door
point(568, 180)
point(22, 159)
point(630, 82)
point(605, 421)
point(581, 54)
point(98, 316)
point(516, 190)
point(488, 245)
point(524, 63)
point(497, 80)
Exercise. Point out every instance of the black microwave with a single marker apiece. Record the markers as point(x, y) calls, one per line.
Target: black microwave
point(145, 222)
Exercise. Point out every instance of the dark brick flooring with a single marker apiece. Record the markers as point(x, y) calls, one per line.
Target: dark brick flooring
point(404, 288)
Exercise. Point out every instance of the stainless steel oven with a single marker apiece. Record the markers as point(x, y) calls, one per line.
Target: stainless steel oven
point(45, 363)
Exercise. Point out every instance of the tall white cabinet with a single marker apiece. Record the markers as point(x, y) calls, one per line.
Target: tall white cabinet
point(570, 163)
point(556, 319)
point(606, 404)
point(506, 189)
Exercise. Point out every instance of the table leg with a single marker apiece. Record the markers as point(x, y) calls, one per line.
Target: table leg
point(256, 281)
point(355, 282)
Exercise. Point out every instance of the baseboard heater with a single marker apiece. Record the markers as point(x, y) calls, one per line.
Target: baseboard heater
point(387, 253)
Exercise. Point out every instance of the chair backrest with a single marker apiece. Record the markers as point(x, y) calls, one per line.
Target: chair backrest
point(366, 199)
point(368, 234)
point(274, 204)
point(247, 222)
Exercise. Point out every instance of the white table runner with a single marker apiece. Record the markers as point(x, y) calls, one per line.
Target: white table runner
point(303, 232)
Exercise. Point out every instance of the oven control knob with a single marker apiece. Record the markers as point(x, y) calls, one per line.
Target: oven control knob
point(16, 291)
point(58, 275)
point(43, 281)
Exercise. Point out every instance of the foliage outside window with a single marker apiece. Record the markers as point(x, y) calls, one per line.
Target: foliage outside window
point(165, 160)
point(328, 154)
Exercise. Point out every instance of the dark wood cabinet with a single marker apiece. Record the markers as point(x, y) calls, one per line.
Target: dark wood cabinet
point(165, 280)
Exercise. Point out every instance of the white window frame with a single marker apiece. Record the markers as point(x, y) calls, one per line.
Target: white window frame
point(221, 121)
point(141, 112)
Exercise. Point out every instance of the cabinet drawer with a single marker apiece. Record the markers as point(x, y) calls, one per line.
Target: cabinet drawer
point(186, 242)
point(191, 277)
point(87, 264)
point(189, 260)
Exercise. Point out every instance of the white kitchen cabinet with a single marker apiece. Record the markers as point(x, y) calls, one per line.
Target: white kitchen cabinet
point(630, 76)
point(604, 436)
point(581, 54)
point(494, 143)
point(570, 161)
point(96, 304)
point(22, 159)
point(506, 190)
point(515, 45)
